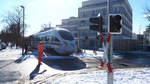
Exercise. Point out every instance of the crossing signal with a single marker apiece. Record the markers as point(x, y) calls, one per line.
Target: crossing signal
point(115, 24)
point(97, 23)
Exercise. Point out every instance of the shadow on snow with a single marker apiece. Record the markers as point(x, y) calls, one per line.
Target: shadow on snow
point(63, 62)
point(35, 72)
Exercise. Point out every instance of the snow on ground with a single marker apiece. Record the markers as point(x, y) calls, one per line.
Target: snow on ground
point(13, 53)
point(87, 54)
point(121, 76)
point(91, 54)
point(16, 53)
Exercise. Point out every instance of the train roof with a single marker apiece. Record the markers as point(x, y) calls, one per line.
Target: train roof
point(51, 31)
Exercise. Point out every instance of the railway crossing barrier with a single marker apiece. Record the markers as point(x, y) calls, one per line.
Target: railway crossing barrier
point(107, 57)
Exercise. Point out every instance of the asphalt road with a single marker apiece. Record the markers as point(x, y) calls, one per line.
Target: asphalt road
point(138, 59)
point(134, 60)
point(9, 72)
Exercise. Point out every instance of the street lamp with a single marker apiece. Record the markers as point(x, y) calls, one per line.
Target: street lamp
point(23, 29)
point(79, 32)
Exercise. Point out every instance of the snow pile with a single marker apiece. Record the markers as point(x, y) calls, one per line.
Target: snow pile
point(10, 53)
point(90, 54)
point(98, 54)
point(133, 76)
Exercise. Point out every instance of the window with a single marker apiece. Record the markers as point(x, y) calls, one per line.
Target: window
point(54, 39)
point(94, 13)
point(66, 35)
point(82, 24)
point(84, 14)
point(104, 21)
point(46, 39)
point(103, 12)
point(116, 10)
point(114, 0)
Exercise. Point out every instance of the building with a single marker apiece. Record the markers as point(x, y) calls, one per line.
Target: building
point(91, 8)
point(70, 24)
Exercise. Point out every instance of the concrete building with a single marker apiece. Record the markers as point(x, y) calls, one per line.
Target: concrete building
point(91, 8)
point(70, 24)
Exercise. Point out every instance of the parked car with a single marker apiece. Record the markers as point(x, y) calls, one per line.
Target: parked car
point(2, 45)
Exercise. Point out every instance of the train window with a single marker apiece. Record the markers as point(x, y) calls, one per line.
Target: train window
point(38, 39)
point(46, 38)
point(54, 39)
point(65, 35)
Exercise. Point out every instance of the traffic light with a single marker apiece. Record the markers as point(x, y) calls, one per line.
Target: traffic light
point(97, 23)
point(115, 24)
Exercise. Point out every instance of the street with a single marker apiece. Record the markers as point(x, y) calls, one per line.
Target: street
point(135, 59)
point(9, 73)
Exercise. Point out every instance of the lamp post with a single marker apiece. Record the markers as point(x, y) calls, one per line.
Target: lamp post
point(79, 32)
point(23, 29)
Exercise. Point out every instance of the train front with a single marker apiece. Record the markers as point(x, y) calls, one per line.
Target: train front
point(68, 42)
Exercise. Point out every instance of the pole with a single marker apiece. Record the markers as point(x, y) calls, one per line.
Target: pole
point(23, 29)
point(110, 50)
point(108, 14)
point(95, 42)
point(79, 36)
point(109, 54)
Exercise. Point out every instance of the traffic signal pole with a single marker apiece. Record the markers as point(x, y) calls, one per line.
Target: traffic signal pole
point(108, 46)
point(97, 26)
point(107, 57)
point(109, 54)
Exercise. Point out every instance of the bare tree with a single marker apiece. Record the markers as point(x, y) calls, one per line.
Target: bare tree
point(147, 13)
point(46, 27)
point(14, 27)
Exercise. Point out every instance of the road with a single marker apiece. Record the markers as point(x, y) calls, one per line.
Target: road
point(138, 60)
point(9, 73)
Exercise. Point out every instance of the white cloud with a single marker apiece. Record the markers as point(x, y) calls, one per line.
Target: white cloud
point(138, 29)
point(142, 31)
point(31, 4)
point(146, 15)
point(40, 12)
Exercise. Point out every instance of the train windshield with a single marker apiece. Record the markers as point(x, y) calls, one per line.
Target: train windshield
point(66, 35)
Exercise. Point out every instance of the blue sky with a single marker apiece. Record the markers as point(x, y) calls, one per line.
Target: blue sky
point(40, 12)
point(139, 21)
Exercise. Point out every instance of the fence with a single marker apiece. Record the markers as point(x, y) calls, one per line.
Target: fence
point(126, 45)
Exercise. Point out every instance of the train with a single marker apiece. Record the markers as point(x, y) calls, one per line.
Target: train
point(58, 41)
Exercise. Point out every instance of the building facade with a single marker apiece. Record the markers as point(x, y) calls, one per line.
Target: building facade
point(91, 8)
